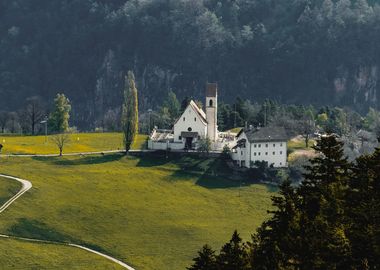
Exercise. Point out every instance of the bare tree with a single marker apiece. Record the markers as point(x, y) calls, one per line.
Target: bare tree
point(13, 123)
point(33, 113)
point(111, 120)
point(4, 117)
point(61, 140)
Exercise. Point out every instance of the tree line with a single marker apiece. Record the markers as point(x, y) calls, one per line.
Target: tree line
point(330, 221)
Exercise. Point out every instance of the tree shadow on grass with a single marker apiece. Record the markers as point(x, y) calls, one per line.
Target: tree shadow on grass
point(34, 229)
point(81, 160)
point(210, 179)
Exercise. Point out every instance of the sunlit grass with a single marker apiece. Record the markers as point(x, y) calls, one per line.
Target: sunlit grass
point(79, 142)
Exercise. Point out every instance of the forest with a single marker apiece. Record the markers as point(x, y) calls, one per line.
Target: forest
point(321, 52)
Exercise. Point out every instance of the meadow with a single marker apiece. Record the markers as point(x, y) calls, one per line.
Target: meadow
point(79, 142)
point(152, 212)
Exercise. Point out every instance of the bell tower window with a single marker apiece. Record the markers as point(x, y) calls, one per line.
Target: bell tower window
point(210, 103)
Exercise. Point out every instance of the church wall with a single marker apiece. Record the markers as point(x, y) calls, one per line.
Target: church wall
point(189, 119)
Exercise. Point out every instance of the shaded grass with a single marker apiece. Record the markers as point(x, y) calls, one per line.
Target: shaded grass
point(18, 254)
point(8, 188)
point(79, 142)
point(152, 213)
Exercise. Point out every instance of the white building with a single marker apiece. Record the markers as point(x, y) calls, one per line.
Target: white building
point(193, 125)
point(267, 144)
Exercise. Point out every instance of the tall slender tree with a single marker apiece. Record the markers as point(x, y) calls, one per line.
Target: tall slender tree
point(129, 116)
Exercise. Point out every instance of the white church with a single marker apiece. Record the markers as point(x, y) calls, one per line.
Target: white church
point(193, 125)
point(268, 144)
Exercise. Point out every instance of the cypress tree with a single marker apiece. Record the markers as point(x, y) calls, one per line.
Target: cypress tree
point(129, 116)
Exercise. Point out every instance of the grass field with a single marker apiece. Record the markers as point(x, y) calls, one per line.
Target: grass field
point(299, 144)
point(79, 142)
point(151, 212)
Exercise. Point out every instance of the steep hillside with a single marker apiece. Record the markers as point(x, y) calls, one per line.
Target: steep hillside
point(323, 52)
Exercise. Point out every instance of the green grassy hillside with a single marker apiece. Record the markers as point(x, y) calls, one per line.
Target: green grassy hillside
point(149, 211)
point(79, 142)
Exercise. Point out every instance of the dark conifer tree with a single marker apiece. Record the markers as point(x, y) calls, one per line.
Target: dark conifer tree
point(206, 260)
point(323, 243)
point(273, 246)
point(233, 255)
point(363, 215)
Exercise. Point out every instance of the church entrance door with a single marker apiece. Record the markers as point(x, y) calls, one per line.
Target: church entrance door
point(189, 143)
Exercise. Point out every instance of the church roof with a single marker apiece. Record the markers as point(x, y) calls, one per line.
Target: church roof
point(265, 134)
point(199, 111)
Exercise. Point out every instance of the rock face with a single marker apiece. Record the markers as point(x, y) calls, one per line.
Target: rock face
point(357, 87)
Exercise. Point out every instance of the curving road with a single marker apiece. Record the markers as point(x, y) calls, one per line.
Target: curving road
point(26, 185)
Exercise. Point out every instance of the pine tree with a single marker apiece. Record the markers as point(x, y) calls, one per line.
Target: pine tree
point(206, 260)
point(362, 208)
point(274, 246)
point(323, 243)
point(173, 105)
point(233, 255)
point(129, 117)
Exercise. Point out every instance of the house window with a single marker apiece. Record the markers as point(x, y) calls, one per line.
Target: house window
point(266, 153)
point(254, 153)
point(210, 103)
point(280, 163)
point(184, 119)
point(179, 137)
point(259, 145)
point(255, 145)
point(266, 145)
point(280, 152)
point(274, 153)
point(241, 152)
point(195, 119)
point(259, 153)
point(280, 144)
point(189, 129)
point(274, 145)
point(243, 163)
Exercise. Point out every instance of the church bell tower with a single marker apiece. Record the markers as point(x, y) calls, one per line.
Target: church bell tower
point(212, 111)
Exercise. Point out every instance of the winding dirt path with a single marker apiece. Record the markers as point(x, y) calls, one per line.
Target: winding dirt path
point(26, 185)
